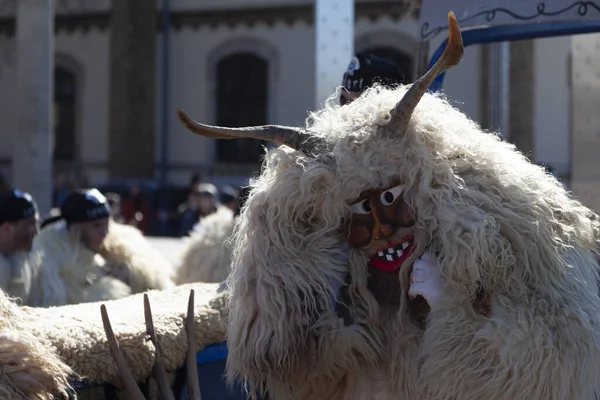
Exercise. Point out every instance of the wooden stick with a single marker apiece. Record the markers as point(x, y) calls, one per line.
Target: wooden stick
point(192, 366)
point(131, 387)
point(160, 372)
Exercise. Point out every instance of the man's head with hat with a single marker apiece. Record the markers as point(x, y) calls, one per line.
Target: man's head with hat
point(87, 211)
point(230, 198)
point(364, 71)
point(18, 221)
point(204, 198)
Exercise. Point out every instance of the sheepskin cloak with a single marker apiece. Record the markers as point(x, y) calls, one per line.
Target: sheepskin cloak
point(499, 226)
point(207, 256)
point(146, 268)
point(69, 273)
point(29, 367)
point(76, 332)
point(16, 275)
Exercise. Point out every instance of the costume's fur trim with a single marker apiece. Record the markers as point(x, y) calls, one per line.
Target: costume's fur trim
point(146, 268)
point(29, 368)
point(69, 273)
point(207, 256)
point(17, 274)
point(497, 221)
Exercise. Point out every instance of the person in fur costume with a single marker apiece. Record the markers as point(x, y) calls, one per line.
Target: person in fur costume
point(29, 369)
point(207, 255)
point(85, 257)
point(19, 220)
point(392, 249)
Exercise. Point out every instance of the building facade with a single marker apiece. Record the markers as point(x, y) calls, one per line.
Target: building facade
point(249, 62)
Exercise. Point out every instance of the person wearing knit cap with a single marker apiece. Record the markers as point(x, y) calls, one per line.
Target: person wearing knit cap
point(18, 228)
point(364, 71)
point(86, 257)
point(87, 210)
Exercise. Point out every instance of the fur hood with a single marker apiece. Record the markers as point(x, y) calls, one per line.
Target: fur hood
point(496, 221)
point(207, 256)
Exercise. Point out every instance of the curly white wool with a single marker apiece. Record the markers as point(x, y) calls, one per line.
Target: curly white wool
point(495, 219)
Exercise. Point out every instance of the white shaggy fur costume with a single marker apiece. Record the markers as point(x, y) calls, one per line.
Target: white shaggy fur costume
point(29, 369)
point(207, 256)
point(496, 221)
point(69, 273)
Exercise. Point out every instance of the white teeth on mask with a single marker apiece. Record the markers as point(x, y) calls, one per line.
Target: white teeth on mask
point(394, 253)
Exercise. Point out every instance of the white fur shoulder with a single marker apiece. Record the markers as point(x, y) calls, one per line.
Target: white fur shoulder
point(207, 255)
point(146, 268)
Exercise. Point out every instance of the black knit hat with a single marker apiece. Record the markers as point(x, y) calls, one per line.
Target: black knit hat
point(366, 69)
point(84, 206)
point(16, 205)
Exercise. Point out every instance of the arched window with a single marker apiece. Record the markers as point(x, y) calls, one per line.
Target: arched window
point(65, 89)
point(404, 61)
point(241, 100)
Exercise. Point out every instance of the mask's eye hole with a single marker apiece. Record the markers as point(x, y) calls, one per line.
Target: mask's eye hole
point(389, 196)
point(362, 207)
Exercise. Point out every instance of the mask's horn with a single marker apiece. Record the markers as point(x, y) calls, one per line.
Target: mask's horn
point(403, 110)
point(295, 138)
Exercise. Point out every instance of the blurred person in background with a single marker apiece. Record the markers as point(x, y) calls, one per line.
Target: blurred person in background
point(195, 179)
point(207, 255)
point(3, 183)
point(61, 188)
point(202, 201)
point(18, 227)
point(230, 198)
point(135, 209)
point(114, 201)
point(364, 71)
point(86, 257)
point(83, 180)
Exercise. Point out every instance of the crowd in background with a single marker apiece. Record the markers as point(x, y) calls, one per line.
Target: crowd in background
point(134, 206)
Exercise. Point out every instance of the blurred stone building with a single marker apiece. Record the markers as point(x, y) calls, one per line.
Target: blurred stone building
point(242, 62)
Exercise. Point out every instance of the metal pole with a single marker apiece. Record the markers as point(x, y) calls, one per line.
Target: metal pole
point(499, 87)
point(33, 140)
point(164, 91)
point(334, 32)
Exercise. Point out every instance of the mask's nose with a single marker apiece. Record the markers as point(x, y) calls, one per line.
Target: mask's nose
point(380, 230)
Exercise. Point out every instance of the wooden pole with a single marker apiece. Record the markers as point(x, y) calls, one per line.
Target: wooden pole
point(334, 32)
point(33, 141)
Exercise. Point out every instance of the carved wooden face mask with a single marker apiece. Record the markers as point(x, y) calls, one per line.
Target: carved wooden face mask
point(382, 224)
